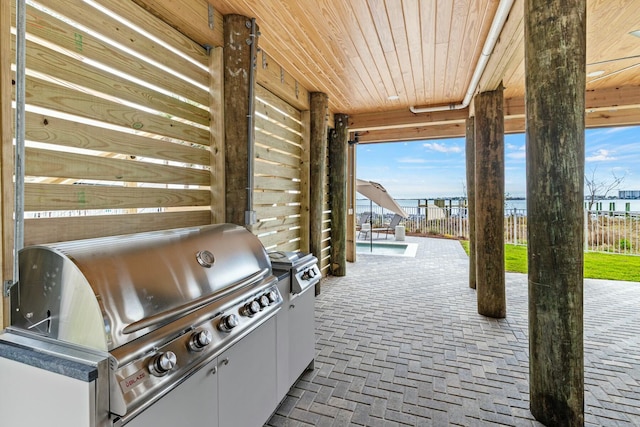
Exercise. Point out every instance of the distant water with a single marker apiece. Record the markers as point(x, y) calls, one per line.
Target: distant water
point(620, 205)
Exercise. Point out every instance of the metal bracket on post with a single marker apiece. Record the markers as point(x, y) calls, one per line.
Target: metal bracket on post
point(250, 217)
point(19, 156)
point(8, 284)
point(211, 14)
point(250, 214)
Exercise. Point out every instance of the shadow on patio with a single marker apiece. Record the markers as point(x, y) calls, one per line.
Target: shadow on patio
point(399, 342)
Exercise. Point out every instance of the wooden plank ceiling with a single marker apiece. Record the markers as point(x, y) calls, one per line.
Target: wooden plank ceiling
point(377, 58)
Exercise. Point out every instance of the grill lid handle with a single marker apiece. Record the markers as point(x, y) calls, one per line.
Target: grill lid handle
point(170, 315)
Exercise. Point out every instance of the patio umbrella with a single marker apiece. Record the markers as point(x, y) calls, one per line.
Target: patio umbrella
point(378, 194)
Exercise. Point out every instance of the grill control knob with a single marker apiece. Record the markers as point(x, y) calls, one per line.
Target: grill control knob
point(264, 301)
point(272, 296)
point(162, 363)
point(311, 273)
point(199, 340)
point(228, 322)
point(251, 308)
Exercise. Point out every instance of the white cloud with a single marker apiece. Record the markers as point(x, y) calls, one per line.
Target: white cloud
point(518, 152)
point(411, 160)
point(600, 155)
point(441, 148)
point(518, 155)
point(615, 130)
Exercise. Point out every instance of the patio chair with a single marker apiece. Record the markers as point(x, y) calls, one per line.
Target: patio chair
point(364, 218)
point(389, 227)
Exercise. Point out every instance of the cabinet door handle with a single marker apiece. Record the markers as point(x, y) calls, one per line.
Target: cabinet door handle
point(225, 362)
point(292, 306)
point(213, 371)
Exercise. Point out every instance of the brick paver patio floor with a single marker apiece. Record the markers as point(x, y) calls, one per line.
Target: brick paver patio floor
point(399, 342)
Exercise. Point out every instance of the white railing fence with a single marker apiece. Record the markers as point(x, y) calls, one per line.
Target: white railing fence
point(604, 231)
point(612, 231)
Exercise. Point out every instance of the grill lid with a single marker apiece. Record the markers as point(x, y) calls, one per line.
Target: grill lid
point(106, 292)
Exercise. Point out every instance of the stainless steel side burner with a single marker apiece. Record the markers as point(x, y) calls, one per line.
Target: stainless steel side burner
point(302, 267)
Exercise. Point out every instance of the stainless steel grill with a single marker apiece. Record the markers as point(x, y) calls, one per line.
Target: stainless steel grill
point(162, 304)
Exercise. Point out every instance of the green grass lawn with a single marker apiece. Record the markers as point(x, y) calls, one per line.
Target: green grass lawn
point(596, 265)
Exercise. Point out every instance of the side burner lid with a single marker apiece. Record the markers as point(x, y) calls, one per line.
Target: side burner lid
point(284, 261)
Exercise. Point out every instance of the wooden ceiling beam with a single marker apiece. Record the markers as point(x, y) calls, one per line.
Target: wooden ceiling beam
point(513, 124)
point(625, 97)
point(274, 78)
point(191, 18)
point(616, 117)
point(618, 97)
point(440, 131)
point(399, 119)
point(607, 107)
point(508, 52)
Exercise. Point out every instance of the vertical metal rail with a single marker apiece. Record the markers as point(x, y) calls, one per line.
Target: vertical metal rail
point(18, 236)
point(250, 214)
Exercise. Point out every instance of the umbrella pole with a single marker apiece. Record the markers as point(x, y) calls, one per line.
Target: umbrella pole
point(371, 226)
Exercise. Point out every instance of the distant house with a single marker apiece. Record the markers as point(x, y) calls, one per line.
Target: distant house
point(629, 194)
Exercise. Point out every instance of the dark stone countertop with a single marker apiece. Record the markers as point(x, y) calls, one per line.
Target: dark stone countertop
point(47, 359)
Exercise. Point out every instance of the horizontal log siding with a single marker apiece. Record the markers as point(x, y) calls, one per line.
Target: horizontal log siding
point(84, 227)
point(277, 185)
point(117, 124)
point(325, 256)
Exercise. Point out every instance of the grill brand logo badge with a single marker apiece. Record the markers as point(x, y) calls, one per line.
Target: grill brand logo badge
point(133, 380)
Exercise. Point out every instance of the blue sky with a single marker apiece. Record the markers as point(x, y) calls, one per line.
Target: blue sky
point(436, 168)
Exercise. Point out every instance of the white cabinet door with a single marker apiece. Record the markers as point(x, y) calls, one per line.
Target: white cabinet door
point(301, 333)
point(282, 331)
point(247, 379)
point(34, 397)
point(192, 403)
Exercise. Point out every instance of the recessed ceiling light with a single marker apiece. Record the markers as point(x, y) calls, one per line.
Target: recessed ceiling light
point(635, 33)
point(393, 98)
point(595, 73)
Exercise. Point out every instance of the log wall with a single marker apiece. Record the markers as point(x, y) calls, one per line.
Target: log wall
point(125, 130)
point(280, 172)
point(117, 124)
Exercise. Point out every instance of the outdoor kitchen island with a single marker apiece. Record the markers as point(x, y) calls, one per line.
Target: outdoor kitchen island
point(197, 335)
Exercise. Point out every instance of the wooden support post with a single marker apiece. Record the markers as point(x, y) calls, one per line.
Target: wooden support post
point(489, 209)
point(319, 104)
point(6, 157)
point(555, 58)
point(351, 201)
point(338, 143)
point(304, 181)
point(216, 108)
point(237, 65)
point(470, 154)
